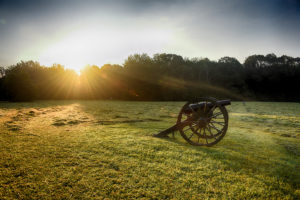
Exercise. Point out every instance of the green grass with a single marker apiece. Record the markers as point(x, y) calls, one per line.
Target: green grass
point(104, 150)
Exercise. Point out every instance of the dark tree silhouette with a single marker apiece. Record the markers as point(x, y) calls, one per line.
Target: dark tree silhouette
point(161, 77)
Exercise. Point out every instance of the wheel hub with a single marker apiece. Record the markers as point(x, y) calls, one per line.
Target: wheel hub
point(202, 122)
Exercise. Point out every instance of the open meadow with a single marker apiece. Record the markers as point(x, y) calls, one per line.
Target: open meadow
point(105, 150)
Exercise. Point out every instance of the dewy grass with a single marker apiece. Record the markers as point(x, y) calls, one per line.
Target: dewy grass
point(84, 159)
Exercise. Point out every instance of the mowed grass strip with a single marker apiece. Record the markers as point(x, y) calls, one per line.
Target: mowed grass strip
point(63, 151)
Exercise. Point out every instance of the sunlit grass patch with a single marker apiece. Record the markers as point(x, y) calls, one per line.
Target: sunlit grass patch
point(105, 149)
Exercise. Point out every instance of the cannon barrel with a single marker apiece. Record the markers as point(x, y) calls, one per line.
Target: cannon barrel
point(196, 106)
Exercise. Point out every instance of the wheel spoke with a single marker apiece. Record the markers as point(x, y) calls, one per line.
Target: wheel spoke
point(191, 135)
point(190, 127)
point(187, 114)
point(213, 108)
point(205, 136)
point(220, 123)
point(215, 115)
point(196, 130)
point(216, 118)
point(213, 126)
point(208, 128)
point(200, 129)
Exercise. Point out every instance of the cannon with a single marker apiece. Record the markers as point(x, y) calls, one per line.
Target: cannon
point(201, 122)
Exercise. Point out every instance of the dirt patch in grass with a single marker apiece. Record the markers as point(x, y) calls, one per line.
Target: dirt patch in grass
point(18, 117)
point(63, 122)
point(13, 127)
point(31, 113)
point(16, 122)
point(59, 124)
point(119, 116)
point(109, 122)
point(74, 122)
point(285, 135)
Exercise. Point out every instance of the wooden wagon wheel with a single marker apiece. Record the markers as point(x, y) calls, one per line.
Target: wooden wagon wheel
point(206, 126)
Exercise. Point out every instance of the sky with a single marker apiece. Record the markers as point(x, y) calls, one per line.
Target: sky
point(76, 33)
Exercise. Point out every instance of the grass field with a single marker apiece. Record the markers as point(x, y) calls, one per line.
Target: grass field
point(104, 150)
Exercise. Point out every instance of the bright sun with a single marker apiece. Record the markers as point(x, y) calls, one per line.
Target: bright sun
point(73, 51)
point(94, 46)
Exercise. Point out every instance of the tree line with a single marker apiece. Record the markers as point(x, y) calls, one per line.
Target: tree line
point(160, 77)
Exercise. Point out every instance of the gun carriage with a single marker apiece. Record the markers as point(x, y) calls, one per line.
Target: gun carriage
point(201, 122)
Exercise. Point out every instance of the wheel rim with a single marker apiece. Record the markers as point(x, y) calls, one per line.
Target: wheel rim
point(206, 126)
